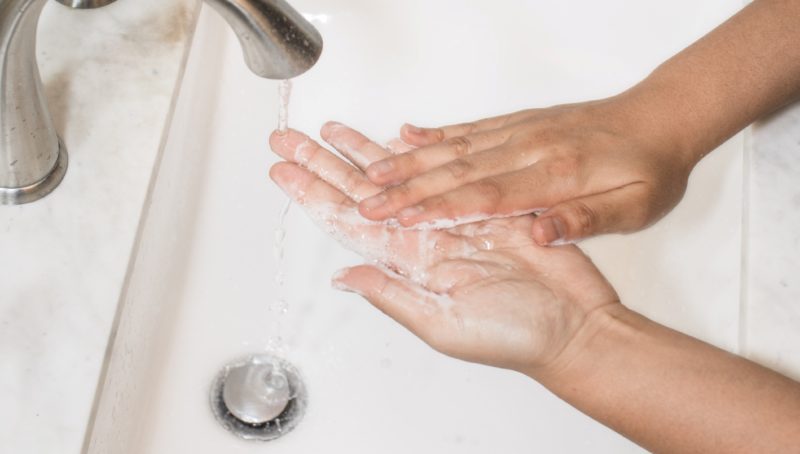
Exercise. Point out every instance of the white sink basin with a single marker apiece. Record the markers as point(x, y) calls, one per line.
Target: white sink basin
point(202, 283)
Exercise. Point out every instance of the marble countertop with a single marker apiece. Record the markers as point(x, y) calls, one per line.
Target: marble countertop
point(110, 75)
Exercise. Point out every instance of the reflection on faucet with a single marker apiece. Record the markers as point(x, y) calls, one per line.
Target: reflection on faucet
point(277, 42)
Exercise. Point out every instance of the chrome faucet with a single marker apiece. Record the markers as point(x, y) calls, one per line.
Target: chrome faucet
point(278, 43)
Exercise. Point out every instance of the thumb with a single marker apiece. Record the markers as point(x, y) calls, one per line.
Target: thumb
point(623, 209)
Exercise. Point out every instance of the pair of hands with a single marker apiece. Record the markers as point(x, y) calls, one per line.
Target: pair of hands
point(486, 291)
point(588, 168)
point(491, 292)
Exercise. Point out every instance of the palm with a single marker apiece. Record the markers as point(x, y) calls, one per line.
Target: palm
point(482, 291)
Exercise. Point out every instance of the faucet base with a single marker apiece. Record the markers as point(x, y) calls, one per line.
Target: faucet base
point(85, 4)
point(34, 192)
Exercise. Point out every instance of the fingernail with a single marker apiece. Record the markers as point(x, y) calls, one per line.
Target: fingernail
point(410, 212)
point(288, 138)
point(413, 129)
point(380, 168)
point(374, 202)
point(329, 128)
point(337, 280)
point(553, 230)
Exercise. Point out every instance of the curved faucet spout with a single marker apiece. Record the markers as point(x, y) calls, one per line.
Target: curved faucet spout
point(277, 42)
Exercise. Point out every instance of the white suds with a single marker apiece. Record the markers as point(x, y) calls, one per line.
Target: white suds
point(442, 224)
point(425, 296)
point(398, 146)
point(302, 153)
point(562, 242)
point(378, 242)
point(355, 156)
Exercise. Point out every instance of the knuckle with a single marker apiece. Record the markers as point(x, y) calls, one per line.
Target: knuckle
point(440, 206)
point(468, 127)
point(385, 290)
point(399, 193)
point(460, 145)
point(406, 162)
point(491, 193)
point(401, 189)
point(459, 169)
point(563, 166)
point(390, 290)
point(546, 136)
point(306, 156)
point(351, 181)
point(584, 217)
point(362, 189)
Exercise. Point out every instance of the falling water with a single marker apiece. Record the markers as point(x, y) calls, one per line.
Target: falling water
point(280, 304)
point(284, 92)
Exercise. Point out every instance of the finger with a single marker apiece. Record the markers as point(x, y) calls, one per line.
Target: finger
point(398, 146)
point(400, 167)
point(410, 252)
point(336, 214)
point(421, 137)
point(407, 303)
point(299, 148)
point(513, 193)
point(353, 145)
point(619, 210)
point(446, 177)
point(308, 189)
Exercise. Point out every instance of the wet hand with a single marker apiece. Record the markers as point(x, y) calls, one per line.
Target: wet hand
point(589, 168)
point(482, 292)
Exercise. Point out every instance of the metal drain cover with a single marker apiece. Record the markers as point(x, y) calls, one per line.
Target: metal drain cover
point(261, 397)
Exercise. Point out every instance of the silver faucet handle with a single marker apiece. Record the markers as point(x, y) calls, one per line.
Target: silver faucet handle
point(277, 41)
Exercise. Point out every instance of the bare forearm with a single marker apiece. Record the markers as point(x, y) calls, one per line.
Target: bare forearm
point(745, 69)
point(672, 393)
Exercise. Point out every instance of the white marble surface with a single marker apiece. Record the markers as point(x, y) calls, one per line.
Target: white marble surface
point(110, 75)
point(772, 292)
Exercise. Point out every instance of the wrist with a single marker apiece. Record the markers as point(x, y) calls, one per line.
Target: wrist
point(653, 113)
point(605, 330)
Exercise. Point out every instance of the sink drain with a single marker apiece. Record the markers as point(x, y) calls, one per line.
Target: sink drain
point(258, 398)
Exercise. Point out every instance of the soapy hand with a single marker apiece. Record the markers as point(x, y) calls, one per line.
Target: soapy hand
point(482, 292)
point(588, 167)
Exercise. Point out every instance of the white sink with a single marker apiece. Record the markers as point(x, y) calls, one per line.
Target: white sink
point(202, 282)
